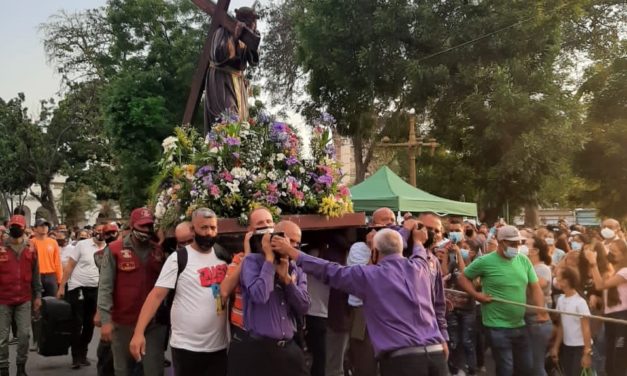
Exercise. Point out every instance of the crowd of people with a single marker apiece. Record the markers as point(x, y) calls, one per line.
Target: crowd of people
point(410, 297)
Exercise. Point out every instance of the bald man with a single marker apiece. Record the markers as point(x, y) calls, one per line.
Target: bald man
point(610, 230)
point(275, 298)
point(383, 217)
point(184, 234)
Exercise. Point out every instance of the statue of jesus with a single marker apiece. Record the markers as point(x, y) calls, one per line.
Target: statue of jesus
point(226, 88)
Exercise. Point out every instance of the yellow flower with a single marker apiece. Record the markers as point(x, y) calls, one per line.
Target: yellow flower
point(190, 170)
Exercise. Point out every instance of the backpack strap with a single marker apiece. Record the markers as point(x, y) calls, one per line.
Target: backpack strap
point(181, 261)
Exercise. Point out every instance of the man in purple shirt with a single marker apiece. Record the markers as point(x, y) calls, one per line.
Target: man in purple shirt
point(398, 303)
point(275, 296)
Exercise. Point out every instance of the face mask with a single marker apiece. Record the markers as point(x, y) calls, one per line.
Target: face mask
point(110, 239)
point(205, 242)
point(430, 237)
point(511, 252)
point(524, 250)
point(611, 258)
point(576, 246)
point(549, 241)
point(16, 232)
point(465, 253)
point(455, 236)
point(469, 233)
point(142, 237)
point(99, 236)
point(61, 243)
point(608, 233)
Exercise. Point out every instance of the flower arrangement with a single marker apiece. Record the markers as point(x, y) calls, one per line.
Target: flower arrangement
point(241, 165)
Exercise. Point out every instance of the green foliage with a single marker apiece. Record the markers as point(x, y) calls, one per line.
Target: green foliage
point(75, 201)
point(603, 162)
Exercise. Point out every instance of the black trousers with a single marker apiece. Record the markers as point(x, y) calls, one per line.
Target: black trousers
point(428, 364)
point(198, 363)
point(83, 301)
point(315, 336)
point(105, 359)
point(260, 357)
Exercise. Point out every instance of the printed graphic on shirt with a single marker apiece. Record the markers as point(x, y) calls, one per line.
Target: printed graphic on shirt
point(212, 277)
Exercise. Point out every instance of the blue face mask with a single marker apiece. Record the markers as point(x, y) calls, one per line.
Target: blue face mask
point(465, 254)
point(576, 246)
point(511, 252)
point(455, 236)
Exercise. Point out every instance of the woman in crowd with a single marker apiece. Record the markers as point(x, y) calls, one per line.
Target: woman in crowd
point(573, 342)
point(539, 332)
point(615, 301)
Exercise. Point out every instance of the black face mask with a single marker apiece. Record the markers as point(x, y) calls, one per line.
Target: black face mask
point(469, 233)
point(142, 237)
point(430, 237)
point(62, 243)
point(611, 258)
point(99, 236)
point(16, 232)
point(205, 242)
point(110, 239)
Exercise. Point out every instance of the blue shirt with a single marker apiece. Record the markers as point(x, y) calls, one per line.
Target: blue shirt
point(271, 307)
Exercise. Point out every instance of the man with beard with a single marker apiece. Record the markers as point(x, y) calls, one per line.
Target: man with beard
point(199, 321)
point(81, 274)
point(19, 285)
point(130, 268)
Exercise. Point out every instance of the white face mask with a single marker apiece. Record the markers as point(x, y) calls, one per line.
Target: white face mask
point(524, 250)
point(576, 246)
point(511, 252)
point(608, 233)
point(549, 241)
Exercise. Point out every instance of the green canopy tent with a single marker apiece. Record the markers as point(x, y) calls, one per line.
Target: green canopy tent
point(386, 189)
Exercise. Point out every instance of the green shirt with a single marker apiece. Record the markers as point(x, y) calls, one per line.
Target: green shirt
point(505, 279)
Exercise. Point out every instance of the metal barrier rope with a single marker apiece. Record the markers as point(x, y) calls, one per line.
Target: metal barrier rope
point(551, 310)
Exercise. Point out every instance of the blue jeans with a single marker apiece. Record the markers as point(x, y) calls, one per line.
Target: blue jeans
point(462, 331)
point(511, 350)
point(539, 335)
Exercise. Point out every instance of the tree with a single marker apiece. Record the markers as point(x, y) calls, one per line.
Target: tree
point(75, 201)
point(603, 162)
point(14, 180)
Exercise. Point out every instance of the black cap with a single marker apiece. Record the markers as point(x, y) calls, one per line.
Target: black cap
point(42, 222)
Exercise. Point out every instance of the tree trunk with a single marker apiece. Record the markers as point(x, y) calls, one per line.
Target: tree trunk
point(46, 199)
point(532, 218)
point(358, 156)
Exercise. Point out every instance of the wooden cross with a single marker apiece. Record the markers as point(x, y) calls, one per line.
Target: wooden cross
point(219, 18)
point(414, 146)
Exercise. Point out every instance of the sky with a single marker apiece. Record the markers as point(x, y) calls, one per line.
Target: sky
point(23, 65)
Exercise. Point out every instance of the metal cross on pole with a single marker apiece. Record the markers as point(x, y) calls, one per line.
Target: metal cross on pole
point(219, 18)
point(414, 147)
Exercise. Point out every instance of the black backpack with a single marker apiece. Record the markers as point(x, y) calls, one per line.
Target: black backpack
point(163, 312)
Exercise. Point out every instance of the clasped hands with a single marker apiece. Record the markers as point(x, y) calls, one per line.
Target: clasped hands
point(274, 246)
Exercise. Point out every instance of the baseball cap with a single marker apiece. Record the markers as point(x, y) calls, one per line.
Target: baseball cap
point(141, 216)
point(509, 233)
point(110, 227)
point(17, 220)
point(42, 222)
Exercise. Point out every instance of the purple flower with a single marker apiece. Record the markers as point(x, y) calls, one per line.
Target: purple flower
point(329, 150)
point(325, 179)
point(327, 118)
point(204, 170)
point(232, 141)
point(207, 180)
point(291, 161)
point(272, 199)
point(235, 155)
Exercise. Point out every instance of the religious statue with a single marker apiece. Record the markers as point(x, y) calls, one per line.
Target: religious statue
point(230, 47)
point(226, 87)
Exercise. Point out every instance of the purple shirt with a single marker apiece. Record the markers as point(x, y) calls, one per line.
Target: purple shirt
point(397, 294)
point(270, 307)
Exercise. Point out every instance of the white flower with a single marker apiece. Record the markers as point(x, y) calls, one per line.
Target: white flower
point(305, 188)
point(159, 210)
point(233, 187)
point(169, 143)
point(301, 170)
point(213, 150)
point(272, 175)
point(239, 173)
point(280, 157)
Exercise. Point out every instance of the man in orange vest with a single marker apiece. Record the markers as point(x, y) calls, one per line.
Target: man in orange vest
point(20, 284)
point(130, 267)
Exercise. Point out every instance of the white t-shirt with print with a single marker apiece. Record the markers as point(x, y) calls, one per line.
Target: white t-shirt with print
point(85, 273)
point(571, 325)
point(197, 325)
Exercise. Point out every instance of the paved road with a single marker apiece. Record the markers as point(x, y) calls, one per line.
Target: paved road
point(60, 365)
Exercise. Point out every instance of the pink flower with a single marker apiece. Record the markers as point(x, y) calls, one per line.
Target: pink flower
point(227, 176)
point(299, 195)
point(344, 191)
point(214, 190)
point(272, 187)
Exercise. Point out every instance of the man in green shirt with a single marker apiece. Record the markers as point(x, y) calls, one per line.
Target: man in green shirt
point(506, 274)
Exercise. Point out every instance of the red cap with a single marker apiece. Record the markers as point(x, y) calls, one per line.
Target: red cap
point(110, 227)
point(17, 220)
point(141, 217)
